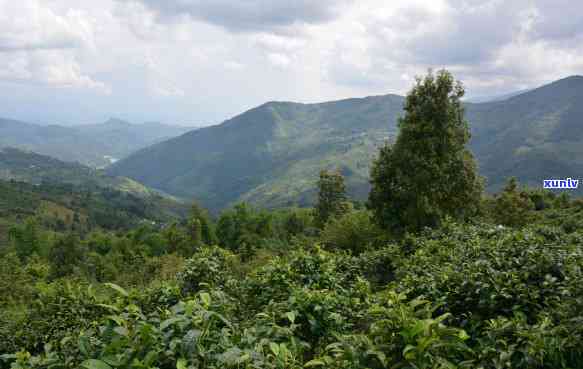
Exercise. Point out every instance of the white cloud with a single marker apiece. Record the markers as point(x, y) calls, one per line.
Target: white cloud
point(30, 25)
point(38, 44)
point(225, 56)
point(279, 60)
point(491, 45)
point(49, 68)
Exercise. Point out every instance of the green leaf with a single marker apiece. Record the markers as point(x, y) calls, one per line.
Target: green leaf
point(407, 349)
point(243, 358)
point(168, 322)
point(112, 360)
point(118, 289)
point(463, 335)
point(109, 307)
point(150, 358)
point(122, 331)
point(205, 298)
point(117, 319)
point(84, 345)
point(274, 348)
point(181, 364)
point(315, 362)
point(95, 364)
point(291, 316)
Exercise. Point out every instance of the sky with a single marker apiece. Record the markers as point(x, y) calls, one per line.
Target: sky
point(199, 62)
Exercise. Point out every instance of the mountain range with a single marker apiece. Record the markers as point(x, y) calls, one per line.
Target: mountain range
point(95, 145)
point(271, 155)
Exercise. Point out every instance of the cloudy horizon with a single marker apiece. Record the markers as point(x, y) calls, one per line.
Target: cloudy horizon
point(199, 62)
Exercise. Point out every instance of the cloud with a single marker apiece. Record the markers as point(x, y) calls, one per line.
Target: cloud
point(279, 60)
point(48, 68)
point(38, 44)
point(491, 44)
point(226, 56)
point(558, 20)
point(28, 25)
point(250, 15)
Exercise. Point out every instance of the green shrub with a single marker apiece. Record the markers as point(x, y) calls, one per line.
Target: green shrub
point(60, 309)
point(482, 273)
point(208, 266)
point(400, 334)
point(353, 232)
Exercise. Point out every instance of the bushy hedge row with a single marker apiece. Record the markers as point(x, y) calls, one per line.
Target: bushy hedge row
point(475, 296)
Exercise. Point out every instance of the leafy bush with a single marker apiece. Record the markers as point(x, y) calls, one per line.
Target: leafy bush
point(402, 334)
point(486, 272)
point(515, 292)
point(60, 309)
point(15, 282)
point(465, 295)
point(208, 266)
point(353, 232)
point(513, 207)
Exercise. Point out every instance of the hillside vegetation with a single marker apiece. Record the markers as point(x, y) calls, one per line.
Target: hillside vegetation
point(27, 166)
point(70, 196)
point(271, 155)
point(66, 207)
point(279, 293)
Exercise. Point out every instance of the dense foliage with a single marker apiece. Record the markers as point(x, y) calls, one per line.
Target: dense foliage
point(63, 206)
point(331, 202)
point(478, 295)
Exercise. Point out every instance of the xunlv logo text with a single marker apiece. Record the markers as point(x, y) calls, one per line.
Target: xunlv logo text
point(561, 183)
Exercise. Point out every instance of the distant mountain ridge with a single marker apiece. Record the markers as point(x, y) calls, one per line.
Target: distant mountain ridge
point(271, 155)
point(92, 145)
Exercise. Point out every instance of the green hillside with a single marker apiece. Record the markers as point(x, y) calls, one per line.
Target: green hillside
point(535, 135)
point(27, 166)
point(67, 207)
point(271, 155)
point(94, 145)
point(36, 185)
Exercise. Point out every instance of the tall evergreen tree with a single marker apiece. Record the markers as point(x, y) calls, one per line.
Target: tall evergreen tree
point(200, 222)
point(196, 233)
point(428, 173)
point(332, 201)
point(25, 239)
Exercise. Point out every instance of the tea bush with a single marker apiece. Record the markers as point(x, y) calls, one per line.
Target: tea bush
point(474, 295)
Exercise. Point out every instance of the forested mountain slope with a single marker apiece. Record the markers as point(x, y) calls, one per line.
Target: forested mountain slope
point(270, 155)
point(36, 185)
